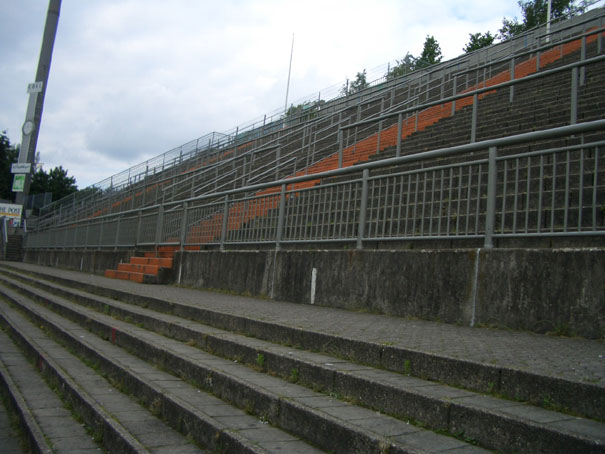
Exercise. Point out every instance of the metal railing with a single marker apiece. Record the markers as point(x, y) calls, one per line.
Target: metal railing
point(451, 193)
point(422, 86)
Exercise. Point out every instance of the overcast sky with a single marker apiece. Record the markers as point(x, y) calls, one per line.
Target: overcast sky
point(131, 79)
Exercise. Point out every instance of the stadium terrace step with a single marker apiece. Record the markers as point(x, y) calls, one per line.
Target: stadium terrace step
point(47, 425)
point(333, 426)
point(153, 268)
point(402, 385)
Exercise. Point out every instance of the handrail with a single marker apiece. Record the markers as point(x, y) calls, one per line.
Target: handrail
point(479, 91)
point(375, 93)
point(561, 131)
point(431, 70)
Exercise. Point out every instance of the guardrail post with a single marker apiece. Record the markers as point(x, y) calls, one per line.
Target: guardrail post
point(454, 94)
point(582, 58)
point(399, 128)
point(137, 234)
point(277, 160)
point(117, 239)
point(512, 77)
point(363, 209)
point(281, 217)
point(491, 198)
point(225, 219)
point(379, 127)
point(160, 226)
point(340, 147)
point(474, 118)
point(101, 234)
point(574, 96)
point(184, 225)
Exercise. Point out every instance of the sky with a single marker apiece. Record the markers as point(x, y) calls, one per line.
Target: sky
point(131, 79)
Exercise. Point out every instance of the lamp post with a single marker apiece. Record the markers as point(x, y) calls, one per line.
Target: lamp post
point(33, 116)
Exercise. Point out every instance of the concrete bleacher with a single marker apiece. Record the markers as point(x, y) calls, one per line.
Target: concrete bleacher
point(411, 337)
point(150, 369)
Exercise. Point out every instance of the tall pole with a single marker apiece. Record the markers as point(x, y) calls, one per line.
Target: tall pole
point(548, 11)
point(289, 72)
point(36, 91)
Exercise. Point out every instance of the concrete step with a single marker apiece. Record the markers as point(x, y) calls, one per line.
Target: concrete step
point(112, 419)
point(133, 276)
point(437, 406)
point(331, 425)
point(46, 425)
point(201, 417)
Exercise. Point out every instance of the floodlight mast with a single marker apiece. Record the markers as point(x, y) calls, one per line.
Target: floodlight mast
point(36, 91)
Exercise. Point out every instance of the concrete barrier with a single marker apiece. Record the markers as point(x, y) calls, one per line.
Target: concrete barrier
point(541, 290)
point(90, 261)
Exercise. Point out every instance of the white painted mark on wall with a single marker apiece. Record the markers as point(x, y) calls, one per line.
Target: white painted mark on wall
point(313, 280)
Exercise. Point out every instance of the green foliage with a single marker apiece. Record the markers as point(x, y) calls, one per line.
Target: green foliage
point(431, 53)
point(406, 65)
point(305, 111)
point(260, 360)
point(55, 181)
point(478, 41)
point(534, 13)
point(355, 86)
point(8, 155)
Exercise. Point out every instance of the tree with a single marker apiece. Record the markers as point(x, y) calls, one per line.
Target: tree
point(55, 181)
point(431, 53)
point(534, 14)
point(478, 41)
point(406, 65)
point(8, 155)
point(357, 85)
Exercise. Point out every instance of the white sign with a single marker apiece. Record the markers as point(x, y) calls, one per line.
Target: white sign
point(35, 87)
point(21, 167)
point(9, 210)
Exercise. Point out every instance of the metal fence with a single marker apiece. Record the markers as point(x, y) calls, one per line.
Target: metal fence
point(480, 190)
point(299, 143)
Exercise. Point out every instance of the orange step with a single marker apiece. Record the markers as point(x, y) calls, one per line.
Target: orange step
point(158, 261)
point(160, 254)
point(135, 268)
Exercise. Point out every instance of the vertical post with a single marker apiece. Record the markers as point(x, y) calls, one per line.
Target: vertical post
point(574, 96)
point(33, 116)
point(379, 128)
point(225, 220)
point(137, 235)
point(363, 209)
point(582, 58)
point(512, 77)
point(160, 226)
point(454, 94)
point(340, 147)
point(491, 198)
point(184, 225)
point(101, 234)
point(548, 14)
point(399, 127)
point(280, 217)
point(117, 238)
point(474, 118)
point(278, 161)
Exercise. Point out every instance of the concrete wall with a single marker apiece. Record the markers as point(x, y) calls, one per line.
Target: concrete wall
point(95, 262)
point(541, 290)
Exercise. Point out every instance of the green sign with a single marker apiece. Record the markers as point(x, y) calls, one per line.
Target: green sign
point(19, 183)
